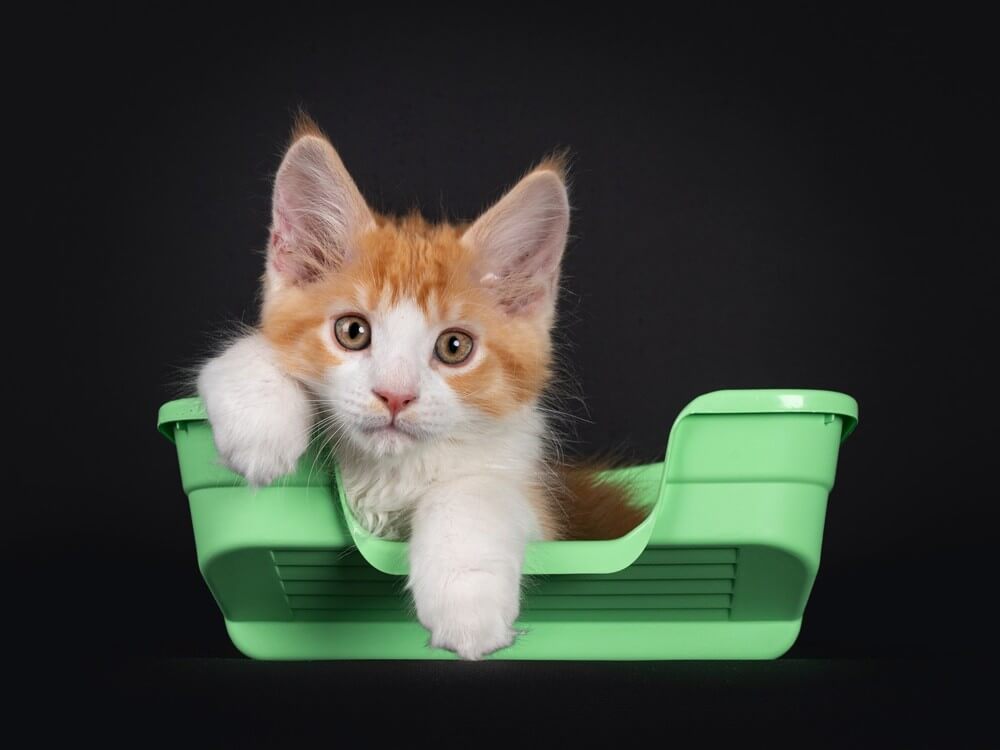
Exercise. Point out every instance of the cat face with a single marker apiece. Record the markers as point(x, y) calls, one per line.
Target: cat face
point(409, 332)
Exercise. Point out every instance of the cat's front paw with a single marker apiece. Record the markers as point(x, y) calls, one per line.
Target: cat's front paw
point(472, 635)
point(260, 417)
point(261, 458)
point(472, 613)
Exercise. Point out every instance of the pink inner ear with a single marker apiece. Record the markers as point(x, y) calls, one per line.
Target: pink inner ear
point(277, 254)
point(525, 301)
point(281, 243)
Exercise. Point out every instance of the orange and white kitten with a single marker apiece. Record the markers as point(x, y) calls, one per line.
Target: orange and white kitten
point(426, 348)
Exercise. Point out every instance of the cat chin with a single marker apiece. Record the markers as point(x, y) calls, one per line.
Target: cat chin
point(384, 442)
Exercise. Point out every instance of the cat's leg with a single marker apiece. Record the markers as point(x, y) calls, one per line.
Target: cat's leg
point(466, 552)
point(261, 418)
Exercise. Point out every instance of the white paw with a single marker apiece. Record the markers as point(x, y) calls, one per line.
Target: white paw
point(472, 635)
point(260, 417)
point(262, 458)
point(472, 614)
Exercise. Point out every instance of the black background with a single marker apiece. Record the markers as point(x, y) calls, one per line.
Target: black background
point(796, 200)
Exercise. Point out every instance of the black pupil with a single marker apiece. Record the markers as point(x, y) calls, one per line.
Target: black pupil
point(355, 329)
point(453, 345)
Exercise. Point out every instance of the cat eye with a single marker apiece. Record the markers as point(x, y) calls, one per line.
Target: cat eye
point(453, 347)
point(353, 332)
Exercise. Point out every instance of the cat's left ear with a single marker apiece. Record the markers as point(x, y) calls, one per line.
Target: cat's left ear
point(519, 242)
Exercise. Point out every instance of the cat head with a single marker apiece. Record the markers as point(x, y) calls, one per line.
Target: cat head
point(409, 332)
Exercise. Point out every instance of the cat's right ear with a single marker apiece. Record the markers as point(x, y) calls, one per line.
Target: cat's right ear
point(317, 212)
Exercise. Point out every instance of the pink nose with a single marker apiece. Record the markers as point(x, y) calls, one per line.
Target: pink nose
point(395, 401)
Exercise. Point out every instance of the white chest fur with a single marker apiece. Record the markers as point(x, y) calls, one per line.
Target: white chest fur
point(384, 492)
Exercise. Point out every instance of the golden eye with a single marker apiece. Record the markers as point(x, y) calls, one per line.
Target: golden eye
point(353, 332)
point(453, 347)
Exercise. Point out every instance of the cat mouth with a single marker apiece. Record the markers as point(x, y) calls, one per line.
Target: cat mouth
point(392, 428)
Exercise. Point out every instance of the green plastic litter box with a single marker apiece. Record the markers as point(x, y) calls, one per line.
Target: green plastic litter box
point(720, 569)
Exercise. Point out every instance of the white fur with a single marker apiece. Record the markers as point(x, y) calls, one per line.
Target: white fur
point(466, 551)
point(451, 478)
point(385, 492)
point(463, 505)
point(399, 359)
point(260, 417)
point(457, 489)
point(456, 483)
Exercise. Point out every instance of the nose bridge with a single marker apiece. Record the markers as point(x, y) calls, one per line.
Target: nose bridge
point(398, 374)
point(396, 350)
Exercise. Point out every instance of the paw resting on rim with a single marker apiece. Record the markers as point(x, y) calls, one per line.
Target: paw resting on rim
point(261, 459)
point(260, 417)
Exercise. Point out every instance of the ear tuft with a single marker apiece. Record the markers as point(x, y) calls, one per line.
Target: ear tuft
point(303, 125)
point(559, 162)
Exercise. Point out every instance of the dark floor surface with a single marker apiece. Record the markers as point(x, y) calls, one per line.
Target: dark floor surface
point(223, 702)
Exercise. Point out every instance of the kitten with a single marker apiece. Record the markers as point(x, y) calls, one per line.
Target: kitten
point(426, 348)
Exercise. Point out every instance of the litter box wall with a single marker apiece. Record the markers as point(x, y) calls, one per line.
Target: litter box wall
point(721, 569)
